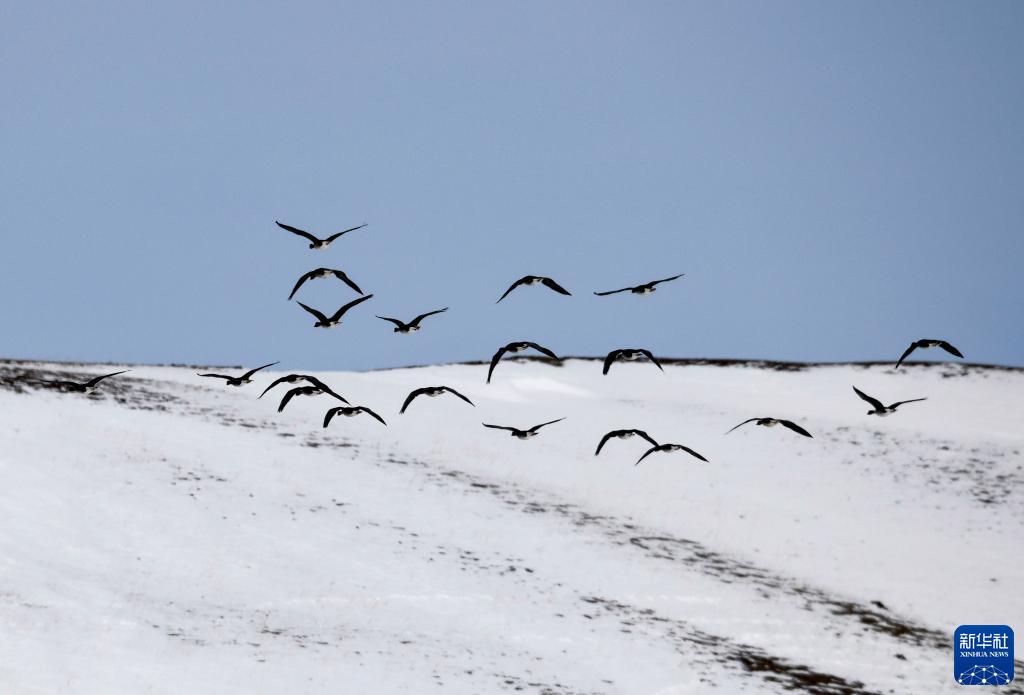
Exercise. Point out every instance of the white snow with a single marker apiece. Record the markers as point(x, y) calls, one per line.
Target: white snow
point(169, 534)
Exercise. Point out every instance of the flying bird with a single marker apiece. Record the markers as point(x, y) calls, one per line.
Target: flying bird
point(433, 392)
point(311, 380)
point(535, 280)
point(324, 273)
point(321, 319)
point(307, 391)
point(882, 410)
point(239, 380)
point(351, 412)
point(628, 355)
point(414, 325)
point(523, 434)
point(623, 434)
point(928, 343)
point(315, 243)
point(771, 422)
point(515, 347)
point(646, 288)
point(669, 447)
point(85, 387)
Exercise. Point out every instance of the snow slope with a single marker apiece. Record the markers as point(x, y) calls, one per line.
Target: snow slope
point(168, 534)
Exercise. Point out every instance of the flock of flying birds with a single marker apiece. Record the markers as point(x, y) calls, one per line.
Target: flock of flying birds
point(315, 387)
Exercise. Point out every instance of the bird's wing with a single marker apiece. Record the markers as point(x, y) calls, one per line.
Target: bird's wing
point(253, 371)
point(416, 321)
point(346, 231)
point(319, 316)
point(347, 280)
point(543, 350)
point(691, 452)
point(63, 383)
point(604, 440)
point(287, 397)
point(875, 403)
point(394, 321)
point(544, 424)
point(514, 285)
point(296, 230)
point(341, 312)
point(897, 404)
point(658, 282)
point(98, 379)
point(372, 414)
point(949, 348)
point(652, 358)
point(644, 435)
point(605, 294)
point(499, 427)
point(301, 282)
point(325, 388)
point(409, 399)
point(795, 427)
point(609, 358)
point(494, 361)
point(548, 282)
point(449, 389)
point(646, 454)
point(275, 383)
point(753, 419)
point(217, 376)
point(913, 346)
point(330, 415)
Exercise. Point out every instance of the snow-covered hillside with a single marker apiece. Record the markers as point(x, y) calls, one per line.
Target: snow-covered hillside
point(168, 534)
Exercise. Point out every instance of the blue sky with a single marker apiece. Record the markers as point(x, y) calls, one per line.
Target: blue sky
point(835, 179)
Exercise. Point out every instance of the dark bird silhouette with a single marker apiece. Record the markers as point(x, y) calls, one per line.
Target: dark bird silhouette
point(414, 325)
point(646, 288)
point(311, 380)
point(85, 387)
point(307, 391)
point(239, 380)
point(882, 410)
point(314, 242)
point(535, 280)
point(628, 355)
point(771, 422)
point(623, 434)
point(322, 321)
point(523, 434)
point(351, 412)
point(515, 347)
point(324, 273)
point(928, 343)
point(433, 392)
point(669, 447)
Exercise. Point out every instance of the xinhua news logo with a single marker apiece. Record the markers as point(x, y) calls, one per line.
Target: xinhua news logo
point(983, 654)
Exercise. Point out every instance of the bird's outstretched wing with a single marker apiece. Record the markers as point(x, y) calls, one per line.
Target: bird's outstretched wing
point(416, 321)
point(364, 409)
point(609, 358)
point(95, 380)
point(897, 404)
point(517, 283)
point(500, 427)
point(253, 371)
point(288, 378)
point(604, 440)
point(875, 403)
point(753, 419)
point(949, 348)
point(543, 350)
point(658, 282)
point(548, 282)
point(605, 294)
point(913, 346)
point(397, 322)
point(330, 415)
point(325, 388)
point(296, 230)
point(341, 312)
point(346, 231)
point(450, 390)
point(317, 314)
point(652, 358)
point(544, 424)
point(691, 452)
point(346, 279)
point(217, 376)
point(302, 281)
point(795, 427)
point(409, 399)
point(648, 453)
point(288, 396)
point(494, 361)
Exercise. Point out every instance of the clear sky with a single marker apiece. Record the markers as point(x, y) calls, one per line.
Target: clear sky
point(836, 179)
